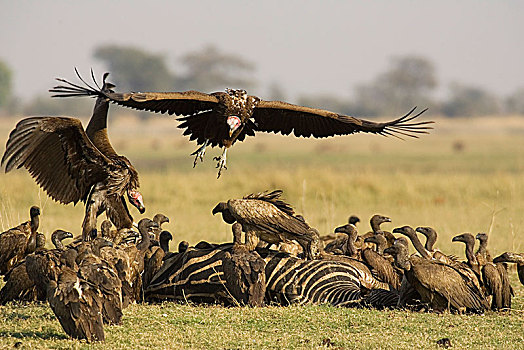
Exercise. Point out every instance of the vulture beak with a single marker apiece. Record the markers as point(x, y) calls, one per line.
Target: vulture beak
point(234, 122)
point(218, 208)
point(135, 198)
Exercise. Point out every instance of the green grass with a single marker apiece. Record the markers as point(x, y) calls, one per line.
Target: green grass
point(417, 182)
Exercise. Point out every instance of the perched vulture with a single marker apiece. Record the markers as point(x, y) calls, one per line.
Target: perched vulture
point(244, 272)
point(441, 286)
point(514, 258)
point(19, 241)
point(221, 118)
point(73, 165)
point(18, 286)
point(264, 216)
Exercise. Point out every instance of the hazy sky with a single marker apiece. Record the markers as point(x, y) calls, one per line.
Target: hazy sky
point(306, 46)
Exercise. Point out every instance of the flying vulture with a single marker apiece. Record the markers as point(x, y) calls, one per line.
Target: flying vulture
point(222, 118)
point(73, 165)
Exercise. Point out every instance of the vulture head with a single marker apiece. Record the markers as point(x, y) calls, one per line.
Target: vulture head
point(182, 246)
point(378, 219)
point(58, 236)
point(353, 219)
point(406, 231)
point(482, 237)
point(348, 229)
point(465, 238)
point(34, 211)
point(135, 198)
point(510, 258)
point(160, 219)
point(226, 214)
point(165, 237)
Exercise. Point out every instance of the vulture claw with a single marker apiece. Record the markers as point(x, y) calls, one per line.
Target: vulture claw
point(221, 162)
point(199, 153)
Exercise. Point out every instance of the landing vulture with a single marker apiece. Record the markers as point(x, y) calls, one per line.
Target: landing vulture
point(221, 118)
point(73, 165)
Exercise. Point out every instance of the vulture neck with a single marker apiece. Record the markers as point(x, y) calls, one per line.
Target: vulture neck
point(375, 225)
point(381, 245)
point(418, 246)
point(146, 240)
point(431, 238)
point(469, 254)
point(164, 245)
point(97, 128)
point(483, 247)
point(31, 242)
point(351, 250)
point(57, 242)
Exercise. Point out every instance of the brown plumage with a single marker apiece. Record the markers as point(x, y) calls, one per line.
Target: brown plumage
point(222, 118)
point(18, 286)
point(103, 275)
point(431, 238)
point(73, 165)
point(18, 241)
point(264, 216)
point(244, 272)
point(441, 286)
point(483, 256)
point(380, 265)
point(153, 260)
point(136, 257)
point(494, 278)
point(345, 245)
point(160, 219)
point(409, 232)
point(514, 258)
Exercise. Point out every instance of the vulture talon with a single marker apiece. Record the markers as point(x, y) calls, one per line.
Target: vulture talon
point(199, 153)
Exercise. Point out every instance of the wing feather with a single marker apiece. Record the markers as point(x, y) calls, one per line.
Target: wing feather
point(179, 103)
point(58, 154)
point(282, 117)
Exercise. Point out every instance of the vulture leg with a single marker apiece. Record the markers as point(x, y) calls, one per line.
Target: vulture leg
point(221, 162)
point(199, 153)
point(94, 207)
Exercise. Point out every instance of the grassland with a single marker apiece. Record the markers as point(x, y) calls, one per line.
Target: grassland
point(467, 176)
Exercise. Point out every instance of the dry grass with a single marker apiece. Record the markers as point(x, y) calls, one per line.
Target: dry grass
point(467, 176)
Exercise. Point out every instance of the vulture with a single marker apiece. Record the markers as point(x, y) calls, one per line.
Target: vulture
point(18, 286)
point(431, 238)
point(222, 118)
point(160, 219)
point(483, 256)
point(19, 241)
point(73, 165)
point(346, 244)
point(409, 232)
point(494, 277)
point(154, 259)
point(380, 265)
point(264, 216)
point(244, 272)
point(326, 239)
point(514, 258)
point(441, 286)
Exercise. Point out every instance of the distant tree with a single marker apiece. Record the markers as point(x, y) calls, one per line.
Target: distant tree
point(5, 84)
point(409, 81)
point(515, 102)
point(276, 92)
point(467, 101)
point(210, 69)
point(133, 69)
point(45, 105)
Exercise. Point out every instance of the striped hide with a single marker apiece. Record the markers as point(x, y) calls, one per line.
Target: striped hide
point(197, 276)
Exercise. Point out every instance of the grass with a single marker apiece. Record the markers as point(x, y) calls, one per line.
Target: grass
point(464, 177)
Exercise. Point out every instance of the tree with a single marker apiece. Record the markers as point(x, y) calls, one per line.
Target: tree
point(134, 69)
point(515, 102)
point(210, 69)
point(5, 84)
point(408, 82)
point(467, 101)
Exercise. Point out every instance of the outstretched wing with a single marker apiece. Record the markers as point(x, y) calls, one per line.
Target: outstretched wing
point(58, 154)
point(179, 103)
point(282, 117)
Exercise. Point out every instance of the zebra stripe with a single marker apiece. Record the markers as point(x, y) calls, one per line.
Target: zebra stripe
point(197, 275)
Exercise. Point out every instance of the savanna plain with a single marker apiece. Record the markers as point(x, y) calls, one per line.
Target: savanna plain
point(466, 176)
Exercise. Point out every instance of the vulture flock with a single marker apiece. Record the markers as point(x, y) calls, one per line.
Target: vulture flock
point(90, 279)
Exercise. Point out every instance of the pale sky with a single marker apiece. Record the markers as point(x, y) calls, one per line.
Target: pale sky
point(306, 46)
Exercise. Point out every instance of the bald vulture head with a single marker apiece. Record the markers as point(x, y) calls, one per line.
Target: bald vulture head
point(226, 214)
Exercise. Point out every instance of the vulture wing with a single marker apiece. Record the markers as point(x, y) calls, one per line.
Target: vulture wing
point(282, 117)
point(266, 216)
point(58, 154)
point(179, 103)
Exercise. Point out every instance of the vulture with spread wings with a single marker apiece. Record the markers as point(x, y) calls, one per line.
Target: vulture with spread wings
point(222, 118)
point(73, 165)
